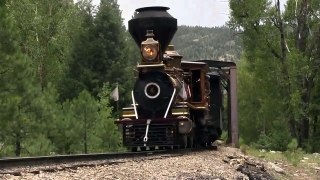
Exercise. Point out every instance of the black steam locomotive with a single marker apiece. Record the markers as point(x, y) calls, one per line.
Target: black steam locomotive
point(174, 103)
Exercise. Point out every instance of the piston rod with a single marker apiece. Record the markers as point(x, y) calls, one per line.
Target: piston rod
point(145, 139)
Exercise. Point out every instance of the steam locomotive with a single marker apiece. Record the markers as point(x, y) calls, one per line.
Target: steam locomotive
point(175, 103)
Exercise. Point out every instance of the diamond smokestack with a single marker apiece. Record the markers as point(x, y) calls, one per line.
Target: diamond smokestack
point(153, 18)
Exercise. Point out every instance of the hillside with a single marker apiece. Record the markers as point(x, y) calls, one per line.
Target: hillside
point(218, 43)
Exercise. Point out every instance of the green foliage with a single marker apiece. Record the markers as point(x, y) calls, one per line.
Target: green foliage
point(75, 129)
point(294, 154)
point(37, 41)
point(87, 125)
point(108, 132)
point(100, 53)
point(38, 145)
point(293, 157)
point(7, 150)
point(224, 136)
point(45, 32)
point(264, 142)
point(278, 72)
point(293, 145)
point(244, 148)
point(17, 88)
point(84, 111)
point(277, 140)
point(279, 136)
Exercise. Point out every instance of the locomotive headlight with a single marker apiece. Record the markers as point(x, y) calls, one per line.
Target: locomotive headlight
point(149, 52)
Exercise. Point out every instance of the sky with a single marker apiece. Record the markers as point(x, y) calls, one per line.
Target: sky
point(207, 13)
point(187, 12)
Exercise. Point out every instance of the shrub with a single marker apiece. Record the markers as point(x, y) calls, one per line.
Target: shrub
point(293, 153)
point(264, 142)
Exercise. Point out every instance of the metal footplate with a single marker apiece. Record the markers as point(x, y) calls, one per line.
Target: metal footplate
point(145, 139)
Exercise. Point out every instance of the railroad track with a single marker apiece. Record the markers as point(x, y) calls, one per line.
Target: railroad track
point(17, 166)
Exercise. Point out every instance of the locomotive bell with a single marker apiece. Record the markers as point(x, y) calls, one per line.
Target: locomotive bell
point(175, 57)
point(153, 18)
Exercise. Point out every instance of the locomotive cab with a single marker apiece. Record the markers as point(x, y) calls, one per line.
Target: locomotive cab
point(196, 73)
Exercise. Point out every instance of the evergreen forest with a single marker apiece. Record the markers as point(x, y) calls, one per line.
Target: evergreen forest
point(60, 61)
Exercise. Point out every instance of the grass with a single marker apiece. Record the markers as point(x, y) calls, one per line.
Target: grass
point(294, 157)
point(277, 156)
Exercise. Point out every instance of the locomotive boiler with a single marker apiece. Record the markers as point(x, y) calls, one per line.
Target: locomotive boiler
point(175, 103)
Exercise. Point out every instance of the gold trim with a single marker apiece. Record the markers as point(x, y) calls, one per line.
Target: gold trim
point(179, 111)
point(196, 107)
point(128, 115)
point(150, 65)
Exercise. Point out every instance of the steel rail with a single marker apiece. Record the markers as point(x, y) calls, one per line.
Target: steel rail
point(6, 163)
point(59, 159)
point(17, 166)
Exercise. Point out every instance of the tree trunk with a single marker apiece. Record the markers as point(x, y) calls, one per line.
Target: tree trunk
point(306, 97)
point(85, 136)
point(41, 74)
point(300, 43)
point(18, 145)
point(302, 28)
point(315, 123)
point(284, 69)
point(292, 127)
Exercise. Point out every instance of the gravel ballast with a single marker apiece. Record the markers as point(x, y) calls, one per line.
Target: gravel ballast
point(195, 165)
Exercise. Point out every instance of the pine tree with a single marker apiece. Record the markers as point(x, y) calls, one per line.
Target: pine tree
point(85, 114)
point(17, 88)
point(79, 76)
point(106, 130)
point(101, 53)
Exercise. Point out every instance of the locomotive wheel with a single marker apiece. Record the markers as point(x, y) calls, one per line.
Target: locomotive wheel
point(134, 149)
point(191, 140)
point(185, 141)
point(168, 147)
